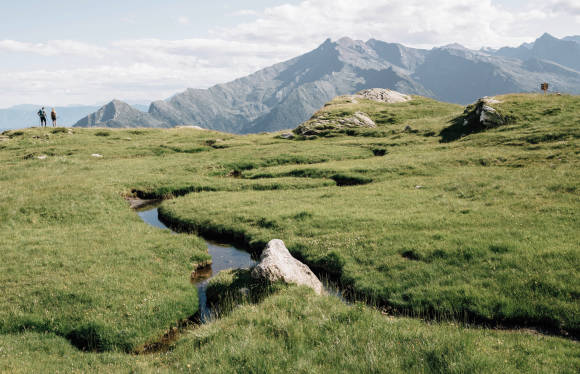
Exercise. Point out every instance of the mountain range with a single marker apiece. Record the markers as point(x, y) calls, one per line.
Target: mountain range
point(286, 94)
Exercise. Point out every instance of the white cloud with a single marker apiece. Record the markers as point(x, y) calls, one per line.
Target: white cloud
point(183, 20)
point(129, 20)
point(571, 7)
point(474, 23)
point(53, 48)
point(155, 68)
point(244, 13)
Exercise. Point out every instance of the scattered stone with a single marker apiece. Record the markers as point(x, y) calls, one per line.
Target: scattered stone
point(408, 129)
point(235, 174)
point(42, 157)
point(276, 263)
point(287, 136)
point(97, 155)
point(418, 187)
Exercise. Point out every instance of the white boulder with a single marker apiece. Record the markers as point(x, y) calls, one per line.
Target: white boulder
point(276, 263)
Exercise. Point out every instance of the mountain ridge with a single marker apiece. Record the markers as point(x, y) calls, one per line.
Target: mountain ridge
point(288, 93)
point(119, 114)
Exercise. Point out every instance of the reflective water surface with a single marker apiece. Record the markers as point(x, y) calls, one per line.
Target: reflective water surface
point(223, 257)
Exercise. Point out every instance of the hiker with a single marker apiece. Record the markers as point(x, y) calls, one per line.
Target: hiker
point(53, 117)
point(42, 115)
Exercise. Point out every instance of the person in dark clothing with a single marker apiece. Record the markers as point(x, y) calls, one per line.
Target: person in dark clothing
point(53, 117)
point(42, 115)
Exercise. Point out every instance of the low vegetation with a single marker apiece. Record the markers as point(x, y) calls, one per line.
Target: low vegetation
point(478, 230)
point(467, 234)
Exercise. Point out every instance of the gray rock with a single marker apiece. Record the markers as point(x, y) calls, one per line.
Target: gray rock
point(277, 264)
point(287, 135)
point(487, 116)
point(320, 124)
point(381, 95)
point(360, 119)
point(192, 127)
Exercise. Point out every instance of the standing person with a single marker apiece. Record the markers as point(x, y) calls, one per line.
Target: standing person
point(53, 117)
point(42, 114)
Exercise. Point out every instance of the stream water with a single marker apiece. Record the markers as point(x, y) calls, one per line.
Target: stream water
point(223, 257)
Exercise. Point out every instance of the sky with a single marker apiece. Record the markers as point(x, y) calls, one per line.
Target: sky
point(69, 52)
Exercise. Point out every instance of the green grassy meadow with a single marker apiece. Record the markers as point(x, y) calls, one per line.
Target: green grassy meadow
point(442, 240)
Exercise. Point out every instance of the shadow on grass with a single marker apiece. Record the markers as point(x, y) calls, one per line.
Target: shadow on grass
point(231, 288)
point(88, 337)
point(94, 337)
point(456, 130)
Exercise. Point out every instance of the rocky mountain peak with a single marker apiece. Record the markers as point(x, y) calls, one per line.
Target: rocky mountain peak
point(288, 93)
point(546, 36)
point(117, 113)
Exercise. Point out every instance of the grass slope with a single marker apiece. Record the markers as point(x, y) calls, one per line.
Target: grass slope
point(297, 331)
point(483, 229)
point(490, 236)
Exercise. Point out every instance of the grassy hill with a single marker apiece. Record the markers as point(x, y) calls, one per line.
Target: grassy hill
point(441, 237)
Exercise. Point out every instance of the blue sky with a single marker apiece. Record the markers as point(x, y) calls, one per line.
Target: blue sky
point(88, 52)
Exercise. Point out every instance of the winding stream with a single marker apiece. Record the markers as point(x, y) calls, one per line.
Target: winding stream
point(223, 257)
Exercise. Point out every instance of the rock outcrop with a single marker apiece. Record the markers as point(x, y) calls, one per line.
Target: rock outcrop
point(381, 95)
point(320, 123)
point(277, 264)
point(481, 115)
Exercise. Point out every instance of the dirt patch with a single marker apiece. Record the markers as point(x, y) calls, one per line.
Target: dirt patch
point(137, 203)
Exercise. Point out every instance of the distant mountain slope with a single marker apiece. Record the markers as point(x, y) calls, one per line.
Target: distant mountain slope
point(574, 38)
point(119, 114)
point(22, 116)
point(286, 94)
point(565, 51)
